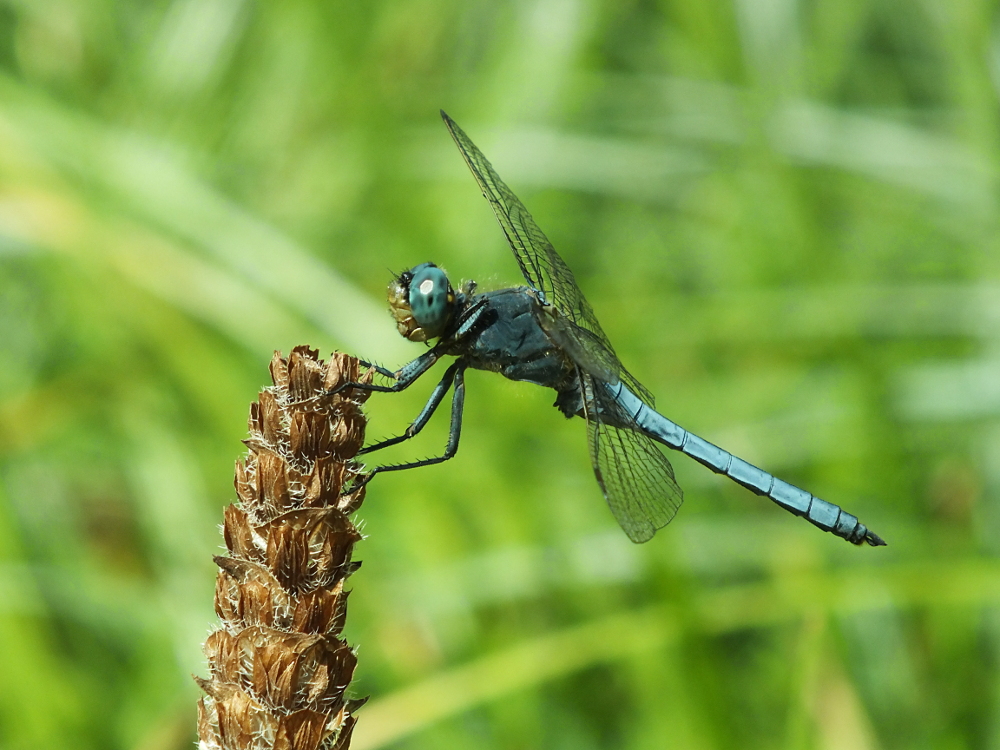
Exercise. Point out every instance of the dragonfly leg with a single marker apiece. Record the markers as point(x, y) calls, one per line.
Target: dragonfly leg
point(408, 374)
point(457, 372)
point(385, 372)
point(437, 396)
point(404, 377)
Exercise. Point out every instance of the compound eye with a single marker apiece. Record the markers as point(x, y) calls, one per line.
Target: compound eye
point(431, 299)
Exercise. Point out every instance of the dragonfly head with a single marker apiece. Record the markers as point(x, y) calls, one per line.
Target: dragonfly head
point(422, 301)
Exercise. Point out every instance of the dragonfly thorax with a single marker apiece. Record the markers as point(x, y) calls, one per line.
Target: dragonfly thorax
point(422, 301)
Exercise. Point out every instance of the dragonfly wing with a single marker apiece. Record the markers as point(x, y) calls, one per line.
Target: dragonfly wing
point(542, 267)
point(590, 353)
point(585, 349)
point(636, 478)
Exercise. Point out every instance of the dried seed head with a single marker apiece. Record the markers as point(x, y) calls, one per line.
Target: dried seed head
point(278, 669)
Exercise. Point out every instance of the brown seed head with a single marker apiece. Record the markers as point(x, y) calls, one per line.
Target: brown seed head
point(278, 668)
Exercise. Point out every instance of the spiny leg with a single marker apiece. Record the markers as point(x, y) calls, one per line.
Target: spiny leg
point(383, 371)
point(455, 431)
point(404, 377)
point(437, 396)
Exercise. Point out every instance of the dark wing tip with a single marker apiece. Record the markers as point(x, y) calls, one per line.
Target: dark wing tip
point(457, 135)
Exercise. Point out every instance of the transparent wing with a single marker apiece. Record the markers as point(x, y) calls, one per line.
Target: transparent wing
point(637, 479)
point(590, 354)
point(542, 267)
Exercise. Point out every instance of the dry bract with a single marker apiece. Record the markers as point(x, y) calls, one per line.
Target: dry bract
point(278, 668)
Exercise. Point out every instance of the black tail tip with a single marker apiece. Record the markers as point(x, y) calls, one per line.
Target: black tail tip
point(874, 540)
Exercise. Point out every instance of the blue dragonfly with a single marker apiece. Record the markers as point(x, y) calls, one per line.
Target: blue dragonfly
point(546, 333)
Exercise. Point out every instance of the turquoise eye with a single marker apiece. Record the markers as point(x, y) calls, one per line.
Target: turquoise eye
point(431, 299)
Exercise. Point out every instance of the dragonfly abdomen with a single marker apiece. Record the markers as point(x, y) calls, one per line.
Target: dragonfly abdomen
point(820, 513)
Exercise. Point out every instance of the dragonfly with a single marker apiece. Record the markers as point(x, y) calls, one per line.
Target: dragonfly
point(545, 332)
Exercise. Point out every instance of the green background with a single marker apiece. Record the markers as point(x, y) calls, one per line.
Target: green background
point(784, 214)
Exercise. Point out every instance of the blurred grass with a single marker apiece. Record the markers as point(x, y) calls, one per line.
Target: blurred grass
point(784, 215)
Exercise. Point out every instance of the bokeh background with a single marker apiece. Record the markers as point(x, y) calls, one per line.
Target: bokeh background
point(784, 213)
